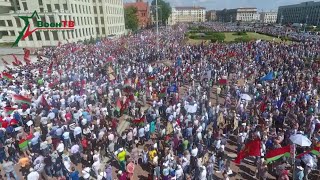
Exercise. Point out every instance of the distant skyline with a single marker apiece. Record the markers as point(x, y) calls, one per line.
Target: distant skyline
point(261, 5)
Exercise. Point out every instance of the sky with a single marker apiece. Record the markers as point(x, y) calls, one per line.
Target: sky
point(262, 5)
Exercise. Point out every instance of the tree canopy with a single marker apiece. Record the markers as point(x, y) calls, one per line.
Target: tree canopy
point(131, 19)
point(164, 10)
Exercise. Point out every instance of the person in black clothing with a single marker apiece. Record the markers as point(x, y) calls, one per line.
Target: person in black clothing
point(48, 165)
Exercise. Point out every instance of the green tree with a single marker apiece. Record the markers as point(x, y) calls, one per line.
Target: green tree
point(164, 10)
point(131, 19)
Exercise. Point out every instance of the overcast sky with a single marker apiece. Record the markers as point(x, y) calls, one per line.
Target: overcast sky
point(265, 5)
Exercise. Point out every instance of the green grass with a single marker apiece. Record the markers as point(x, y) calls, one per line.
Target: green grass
point(230, 37)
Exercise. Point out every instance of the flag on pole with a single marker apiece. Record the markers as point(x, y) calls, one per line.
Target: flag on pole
point(315, 151)
point(21, 99)
point(9, 110)
point(252, 148)
point(276, 154)
point(7, 76)
point(16, 60)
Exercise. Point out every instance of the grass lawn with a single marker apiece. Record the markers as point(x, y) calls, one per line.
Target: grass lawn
point(230, 37)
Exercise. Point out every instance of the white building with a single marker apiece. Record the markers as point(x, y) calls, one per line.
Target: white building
point(268, 17)
point(188, 14)
point(239, 14)
point(92, 18)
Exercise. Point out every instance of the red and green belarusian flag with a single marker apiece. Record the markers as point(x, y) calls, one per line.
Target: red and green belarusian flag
point(139, 121)
point(276, 154)
point(118, 105)
point(7, 76)
point(21, 99)
point(151, 78)
point(163, 92)
point(9, 110)
point(23, 143)
point(314, 151)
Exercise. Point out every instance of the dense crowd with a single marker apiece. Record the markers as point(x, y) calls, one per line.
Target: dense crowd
point(90, 110)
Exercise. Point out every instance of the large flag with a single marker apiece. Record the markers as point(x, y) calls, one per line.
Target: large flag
point(21, 99)
point(7, 76)
point(315, 151)
point(50, 68)
point(9, 110)
point(252, 148)
point(26, 56)
point(276, 154)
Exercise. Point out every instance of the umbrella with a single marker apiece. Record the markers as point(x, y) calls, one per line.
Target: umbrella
point(300, 140)
point(245, 97)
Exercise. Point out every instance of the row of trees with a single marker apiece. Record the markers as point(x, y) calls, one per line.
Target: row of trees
point(131, 14)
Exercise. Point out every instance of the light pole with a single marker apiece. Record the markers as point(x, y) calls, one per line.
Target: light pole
point(306, 23)
point(157, 19)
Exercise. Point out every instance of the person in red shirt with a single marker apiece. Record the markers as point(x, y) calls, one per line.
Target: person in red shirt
point(84, 143)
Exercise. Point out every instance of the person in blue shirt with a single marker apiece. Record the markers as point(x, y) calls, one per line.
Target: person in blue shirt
point(74, 175)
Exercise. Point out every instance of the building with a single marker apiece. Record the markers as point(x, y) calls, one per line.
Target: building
point(306, 12)
point(92, 18)
point(268, 17)
point(211, 15)
point(239, 14)
point(143, 13)
point(188, 14)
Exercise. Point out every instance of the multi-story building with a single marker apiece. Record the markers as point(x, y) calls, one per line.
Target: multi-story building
point(239, 14)
point(92, 18)
point(268, 17)
point(143, 13)
point(306, 12)
point(211, 15)
point(188, 14)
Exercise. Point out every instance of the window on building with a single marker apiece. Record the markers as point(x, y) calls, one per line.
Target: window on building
point(64, 35)
point(25, 7)
point(10, 23)
point(103, 31)
point(83, 33)
point(76, 31)
point(102, 20)
point(96, 20)
point(56, 7)
point(49, 8)
point(40, 2)
point(80, 11)
point(12, 33)
point(100, 10)
point(3, 23)
point(38, 35)
point(65, 6)
point(97, 30)
point(94, 9)
point(41, 10)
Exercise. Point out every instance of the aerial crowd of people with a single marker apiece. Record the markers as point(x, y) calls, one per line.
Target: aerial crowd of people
point(121, 109)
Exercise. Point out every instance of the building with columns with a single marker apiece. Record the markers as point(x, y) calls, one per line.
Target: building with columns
point(239, 14)
point(268, 17)
point(93, 18)
point(187, 14)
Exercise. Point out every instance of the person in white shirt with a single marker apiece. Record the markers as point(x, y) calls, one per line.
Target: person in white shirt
point(33, 175)
point(86, 173)
point(141, 134)
point(147, 131)
point(96, 167)
point(179, 173)
point(60, 148)
point(203, 173)
point(66, 139)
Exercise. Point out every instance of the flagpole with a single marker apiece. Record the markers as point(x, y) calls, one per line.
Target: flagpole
point(157, 25)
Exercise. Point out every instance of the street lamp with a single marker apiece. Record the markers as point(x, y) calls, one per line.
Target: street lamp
point(157, 19)
point(306, 23)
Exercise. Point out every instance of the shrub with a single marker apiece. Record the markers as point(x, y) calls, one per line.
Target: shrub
point(241, 33)
point(243, 39)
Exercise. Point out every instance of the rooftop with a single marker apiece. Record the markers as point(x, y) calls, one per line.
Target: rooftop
point(189, 8)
